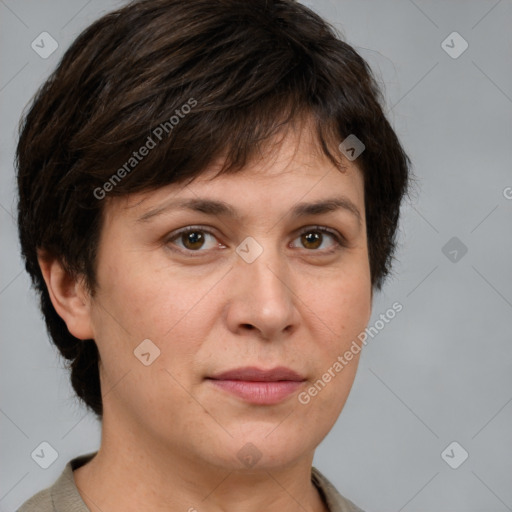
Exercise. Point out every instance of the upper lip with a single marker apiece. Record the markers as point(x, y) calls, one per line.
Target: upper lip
point(252, 373)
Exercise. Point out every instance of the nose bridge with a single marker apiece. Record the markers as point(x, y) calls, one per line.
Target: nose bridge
point(263, 283)
point(263, 262)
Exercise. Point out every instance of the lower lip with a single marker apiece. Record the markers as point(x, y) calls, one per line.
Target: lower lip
point(261, 393)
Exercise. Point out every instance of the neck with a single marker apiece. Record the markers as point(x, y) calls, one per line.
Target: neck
point(128, 473)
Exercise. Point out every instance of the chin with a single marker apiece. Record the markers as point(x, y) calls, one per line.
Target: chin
point(271, 450)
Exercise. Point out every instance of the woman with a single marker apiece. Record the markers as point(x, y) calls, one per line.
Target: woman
point(208, 196)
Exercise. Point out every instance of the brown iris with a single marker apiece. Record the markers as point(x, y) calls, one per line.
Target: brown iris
point(311, 237)
point(193, 240)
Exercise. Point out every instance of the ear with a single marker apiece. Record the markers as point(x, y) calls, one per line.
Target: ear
point(68, 296)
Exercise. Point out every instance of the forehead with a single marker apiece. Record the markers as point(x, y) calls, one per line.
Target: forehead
point(291, 170)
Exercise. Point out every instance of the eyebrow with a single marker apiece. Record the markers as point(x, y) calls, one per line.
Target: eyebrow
point(220, 208)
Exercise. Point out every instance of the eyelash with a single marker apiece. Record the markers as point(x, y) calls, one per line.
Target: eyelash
point(340, 241)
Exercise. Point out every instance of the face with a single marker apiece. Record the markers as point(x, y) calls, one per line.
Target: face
point(260, 280)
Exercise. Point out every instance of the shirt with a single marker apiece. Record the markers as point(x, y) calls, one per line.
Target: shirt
point(63, 495)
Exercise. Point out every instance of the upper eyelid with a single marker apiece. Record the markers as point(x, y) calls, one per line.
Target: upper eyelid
point(335, 234)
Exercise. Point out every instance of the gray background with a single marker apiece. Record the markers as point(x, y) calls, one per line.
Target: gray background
point(441, 370)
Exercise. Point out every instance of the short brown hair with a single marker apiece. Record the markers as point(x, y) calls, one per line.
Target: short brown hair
point(245, 70)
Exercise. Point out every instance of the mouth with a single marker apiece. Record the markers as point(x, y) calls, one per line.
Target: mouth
point(258, 386)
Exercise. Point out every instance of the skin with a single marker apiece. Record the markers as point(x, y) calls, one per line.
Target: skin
point(170, 438)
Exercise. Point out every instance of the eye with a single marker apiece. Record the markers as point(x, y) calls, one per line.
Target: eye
point(313, 238)
point(193, 238)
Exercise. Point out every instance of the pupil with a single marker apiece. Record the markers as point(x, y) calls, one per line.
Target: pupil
point(194, 238)
point(311, 238)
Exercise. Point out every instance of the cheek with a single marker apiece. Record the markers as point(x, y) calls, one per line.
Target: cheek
point(341, 314)
point(139, 302)
point(125, 307)
point(341, 306)
point(140, 294)
point(351, 312)
point(141, 298)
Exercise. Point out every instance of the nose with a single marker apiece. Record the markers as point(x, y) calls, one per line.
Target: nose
point(261, 296)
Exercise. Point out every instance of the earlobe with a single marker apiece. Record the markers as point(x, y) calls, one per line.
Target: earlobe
point(68, 297)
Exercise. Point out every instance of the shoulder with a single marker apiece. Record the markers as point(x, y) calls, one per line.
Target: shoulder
point(40, 502)
point(62, 495)
point(335, 501)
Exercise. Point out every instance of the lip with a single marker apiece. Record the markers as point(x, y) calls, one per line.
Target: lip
point(252, 373)
point(258, 386)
